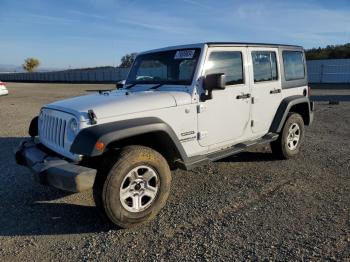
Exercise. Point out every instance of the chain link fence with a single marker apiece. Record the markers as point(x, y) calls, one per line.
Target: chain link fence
point(109, 75)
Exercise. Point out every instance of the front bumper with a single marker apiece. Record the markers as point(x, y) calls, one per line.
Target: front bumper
point(51, 169)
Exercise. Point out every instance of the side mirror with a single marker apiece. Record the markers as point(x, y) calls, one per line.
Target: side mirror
point(120, 84)
point(211, 82)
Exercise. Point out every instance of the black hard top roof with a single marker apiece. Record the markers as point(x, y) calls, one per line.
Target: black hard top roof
point(249, 44)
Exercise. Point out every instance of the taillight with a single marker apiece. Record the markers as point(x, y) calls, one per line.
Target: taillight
point(309, 91)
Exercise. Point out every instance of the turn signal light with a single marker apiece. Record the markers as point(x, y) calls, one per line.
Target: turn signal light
point(100, 146)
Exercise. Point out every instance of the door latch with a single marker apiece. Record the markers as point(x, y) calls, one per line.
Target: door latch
point(275, 91)
point(202, 134)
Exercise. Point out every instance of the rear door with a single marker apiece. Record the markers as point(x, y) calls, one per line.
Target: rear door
point(266, 87)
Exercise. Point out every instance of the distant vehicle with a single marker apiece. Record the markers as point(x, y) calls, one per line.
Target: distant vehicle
point(3, 89)
point(180, 107)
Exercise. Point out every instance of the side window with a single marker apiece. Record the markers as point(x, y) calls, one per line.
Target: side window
point(293, 62)
point(228, 62)
point(264, 66)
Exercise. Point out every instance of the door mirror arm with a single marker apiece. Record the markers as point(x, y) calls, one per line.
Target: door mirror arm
point(211, 82)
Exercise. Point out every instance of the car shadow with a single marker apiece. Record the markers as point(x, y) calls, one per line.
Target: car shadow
point(30, 209)
point(250, 157)
point(52, 219)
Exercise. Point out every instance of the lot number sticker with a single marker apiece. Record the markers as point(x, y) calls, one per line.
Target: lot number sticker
point(184, 54)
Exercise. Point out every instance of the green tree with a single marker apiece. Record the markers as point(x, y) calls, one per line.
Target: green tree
point(329, 52)
point(30, 64)
point(127, 60)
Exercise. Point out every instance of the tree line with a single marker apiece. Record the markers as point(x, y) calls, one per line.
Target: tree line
point(328, 52)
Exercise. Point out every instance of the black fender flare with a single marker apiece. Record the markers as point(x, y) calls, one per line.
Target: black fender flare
point(284, 108)
point(33, 127)
point(85, 141)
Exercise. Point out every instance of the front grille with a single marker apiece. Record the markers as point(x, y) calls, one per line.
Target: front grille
point(53, 126)
point(52, 129)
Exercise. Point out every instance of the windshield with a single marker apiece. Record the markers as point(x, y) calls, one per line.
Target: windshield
point(174, 67)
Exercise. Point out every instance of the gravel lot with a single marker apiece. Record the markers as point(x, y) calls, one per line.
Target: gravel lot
point(248, 206)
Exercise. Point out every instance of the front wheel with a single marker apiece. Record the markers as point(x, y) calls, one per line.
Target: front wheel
point(288, 143)
point(136, 187)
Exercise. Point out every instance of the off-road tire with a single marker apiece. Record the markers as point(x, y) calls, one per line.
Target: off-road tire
point(280, 147)
point(127, 159)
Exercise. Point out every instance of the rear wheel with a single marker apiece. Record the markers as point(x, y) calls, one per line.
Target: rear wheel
point(136, 187)
point(288, 144)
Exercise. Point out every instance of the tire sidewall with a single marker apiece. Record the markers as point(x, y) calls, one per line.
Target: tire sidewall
point(111, 190)
point(293, 118)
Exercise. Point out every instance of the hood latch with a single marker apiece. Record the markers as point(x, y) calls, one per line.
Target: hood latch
point(92, 117)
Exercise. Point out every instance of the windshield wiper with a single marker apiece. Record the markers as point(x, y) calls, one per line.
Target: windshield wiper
point(153, 87)
point(156, 86)
point(130, 86)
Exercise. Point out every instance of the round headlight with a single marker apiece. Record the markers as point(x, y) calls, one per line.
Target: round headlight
point(73, 126)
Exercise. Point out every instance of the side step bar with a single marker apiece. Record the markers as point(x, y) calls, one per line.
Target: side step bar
point(195, 161)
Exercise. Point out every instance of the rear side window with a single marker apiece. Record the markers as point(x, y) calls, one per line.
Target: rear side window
point(264, 66)
point(293, 62)
point(228, 62)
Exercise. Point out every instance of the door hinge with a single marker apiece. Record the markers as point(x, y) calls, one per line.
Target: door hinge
point(202, 134)
point(252, 123)
point(252, 100)
point(200, 108)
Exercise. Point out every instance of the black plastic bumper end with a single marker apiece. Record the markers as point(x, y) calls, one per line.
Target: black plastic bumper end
point(53, 170)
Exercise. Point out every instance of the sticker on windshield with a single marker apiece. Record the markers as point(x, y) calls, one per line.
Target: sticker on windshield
point(184, 54)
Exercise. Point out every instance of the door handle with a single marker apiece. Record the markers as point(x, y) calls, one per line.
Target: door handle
point(243, 96)
point(275, 91)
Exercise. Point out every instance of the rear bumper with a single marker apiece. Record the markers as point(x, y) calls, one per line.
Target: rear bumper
point(312, 108)
point(53, 170)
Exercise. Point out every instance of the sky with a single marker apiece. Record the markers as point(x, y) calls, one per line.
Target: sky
point(86, 33)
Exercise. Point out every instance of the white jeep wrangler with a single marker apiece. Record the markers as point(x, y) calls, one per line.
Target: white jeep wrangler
point(180, 107)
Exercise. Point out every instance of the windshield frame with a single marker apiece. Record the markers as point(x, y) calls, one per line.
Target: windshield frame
point(186, 82)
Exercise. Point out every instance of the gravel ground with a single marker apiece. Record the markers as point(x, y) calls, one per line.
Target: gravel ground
point(245, 207)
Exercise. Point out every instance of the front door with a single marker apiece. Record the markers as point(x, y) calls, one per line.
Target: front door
point(266, 87)
point(224, 118)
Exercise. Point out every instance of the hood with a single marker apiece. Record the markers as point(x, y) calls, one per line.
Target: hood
point(120, 102)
